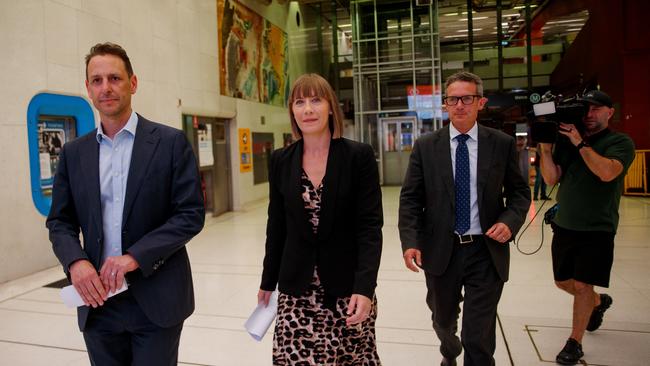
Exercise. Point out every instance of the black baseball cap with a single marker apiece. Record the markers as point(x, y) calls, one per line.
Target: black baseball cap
point(597, 97)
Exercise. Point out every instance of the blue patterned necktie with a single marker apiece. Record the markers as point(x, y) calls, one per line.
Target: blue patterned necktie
point(462, 185)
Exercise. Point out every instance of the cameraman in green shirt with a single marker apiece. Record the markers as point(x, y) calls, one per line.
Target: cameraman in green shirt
point(590, 168)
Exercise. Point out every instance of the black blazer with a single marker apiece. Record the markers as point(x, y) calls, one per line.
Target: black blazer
point(163, 210)
point(427, 204)
point(347, 248)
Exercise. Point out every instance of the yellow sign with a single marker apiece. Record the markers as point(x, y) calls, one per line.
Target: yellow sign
point(245, 152)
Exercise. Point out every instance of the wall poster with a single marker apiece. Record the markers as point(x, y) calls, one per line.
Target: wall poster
point(204, 134)
point(52, 134)
point(245, 153)
point(252, 55)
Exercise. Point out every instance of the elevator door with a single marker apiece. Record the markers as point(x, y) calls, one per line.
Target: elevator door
point(209, 138)
point(398, 136)
point(222, 169)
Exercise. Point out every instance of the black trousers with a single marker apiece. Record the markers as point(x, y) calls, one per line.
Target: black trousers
point(120, 334)
point(471, 269)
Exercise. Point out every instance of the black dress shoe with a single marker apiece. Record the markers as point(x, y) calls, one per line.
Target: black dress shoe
point(597, 314)
point(570, 354)
point(448, 362)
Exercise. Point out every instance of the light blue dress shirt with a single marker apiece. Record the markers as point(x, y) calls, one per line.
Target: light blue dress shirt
point(472, 147)
point(114, 162)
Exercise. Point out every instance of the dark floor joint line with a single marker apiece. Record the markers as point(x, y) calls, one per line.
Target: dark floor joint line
point(503, 334)
point(42, 346)
point(530, 330)
point(58, 284)
point(84, 351)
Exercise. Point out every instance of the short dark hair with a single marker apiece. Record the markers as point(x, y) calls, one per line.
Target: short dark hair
point(109, 48)
point(467, 77)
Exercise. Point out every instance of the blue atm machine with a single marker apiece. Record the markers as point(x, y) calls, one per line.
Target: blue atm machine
point(52, 120)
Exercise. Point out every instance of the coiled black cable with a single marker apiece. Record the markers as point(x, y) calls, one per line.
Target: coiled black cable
point(521, 233)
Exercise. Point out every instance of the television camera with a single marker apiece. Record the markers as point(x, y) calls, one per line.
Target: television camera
point(552, 110)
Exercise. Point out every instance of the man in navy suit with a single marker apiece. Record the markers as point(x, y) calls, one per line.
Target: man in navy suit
point(133, 190)
point(462, 201)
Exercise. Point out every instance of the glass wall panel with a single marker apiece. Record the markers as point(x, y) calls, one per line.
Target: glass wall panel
point(365, 91)
point(396, 49)
point(393, 90)
point(369, 135)
point(397, 70)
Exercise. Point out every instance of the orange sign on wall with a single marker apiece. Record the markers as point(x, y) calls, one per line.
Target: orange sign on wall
point(245, 152)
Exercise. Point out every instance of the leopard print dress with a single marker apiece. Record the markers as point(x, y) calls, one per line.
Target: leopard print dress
point(309, 333)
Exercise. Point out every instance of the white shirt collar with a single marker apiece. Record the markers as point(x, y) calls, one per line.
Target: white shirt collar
point(130, 127)
point(473, 132)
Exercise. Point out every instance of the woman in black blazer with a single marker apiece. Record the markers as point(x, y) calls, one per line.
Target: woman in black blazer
point(323, 237)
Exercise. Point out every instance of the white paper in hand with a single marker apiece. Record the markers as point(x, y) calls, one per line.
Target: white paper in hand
point(72, 298)
point(262, 318)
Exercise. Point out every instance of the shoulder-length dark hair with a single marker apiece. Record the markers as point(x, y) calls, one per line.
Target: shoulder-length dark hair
point(314, 85)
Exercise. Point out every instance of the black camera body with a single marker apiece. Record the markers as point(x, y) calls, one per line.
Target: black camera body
point(548, 115)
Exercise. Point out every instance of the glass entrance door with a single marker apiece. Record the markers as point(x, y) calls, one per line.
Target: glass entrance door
point(397, 137)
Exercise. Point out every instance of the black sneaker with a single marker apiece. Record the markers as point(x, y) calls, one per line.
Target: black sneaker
point(570, 354)
point(597, 314)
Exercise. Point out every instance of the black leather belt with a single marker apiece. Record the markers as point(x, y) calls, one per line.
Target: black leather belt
point(467, 239)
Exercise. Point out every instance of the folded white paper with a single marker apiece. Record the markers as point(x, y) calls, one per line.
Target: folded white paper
point(72, 298)
point(262, 318)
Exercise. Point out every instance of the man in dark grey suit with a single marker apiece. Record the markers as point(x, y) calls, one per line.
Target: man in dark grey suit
point(462, 201)
point(132, 188)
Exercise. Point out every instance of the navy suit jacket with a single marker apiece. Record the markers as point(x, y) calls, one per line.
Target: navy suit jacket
point(347, 247)
point(427, 200)
point(163, 210)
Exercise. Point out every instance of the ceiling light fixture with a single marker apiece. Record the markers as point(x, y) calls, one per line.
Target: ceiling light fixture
point(476, 18)
point(565, 21)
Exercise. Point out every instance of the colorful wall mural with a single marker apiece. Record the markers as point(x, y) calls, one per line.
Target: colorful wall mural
point(252, 55)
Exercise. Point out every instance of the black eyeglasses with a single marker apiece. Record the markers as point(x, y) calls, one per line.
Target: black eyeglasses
point(466, 99)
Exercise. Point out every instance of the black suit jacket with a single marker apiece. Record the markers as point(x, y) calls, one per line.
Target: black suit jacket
point(427, 204)
point(347, 247)
point(163, 210)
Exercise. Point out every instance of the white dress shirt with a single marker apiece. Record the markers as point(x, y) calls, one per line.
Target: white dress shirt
point(114, 163)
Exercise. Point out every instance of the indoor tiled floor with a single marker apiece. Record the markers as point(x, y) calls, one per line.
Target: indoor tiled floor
point(534, 316)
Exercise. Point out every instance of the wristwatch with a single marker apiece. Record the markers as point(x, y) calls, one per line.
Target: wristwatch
point(582, 144)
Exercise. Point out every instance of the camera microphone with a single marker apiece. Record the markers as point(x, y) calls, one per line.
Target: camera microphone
point(543, 109)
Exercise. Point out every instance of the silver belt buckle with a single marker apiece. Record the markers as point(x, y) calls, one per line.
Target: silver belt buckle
point(460, 239)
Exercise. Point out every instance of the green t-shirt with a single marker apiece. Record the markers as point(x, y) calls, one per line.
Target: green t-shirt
point(586, 203)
